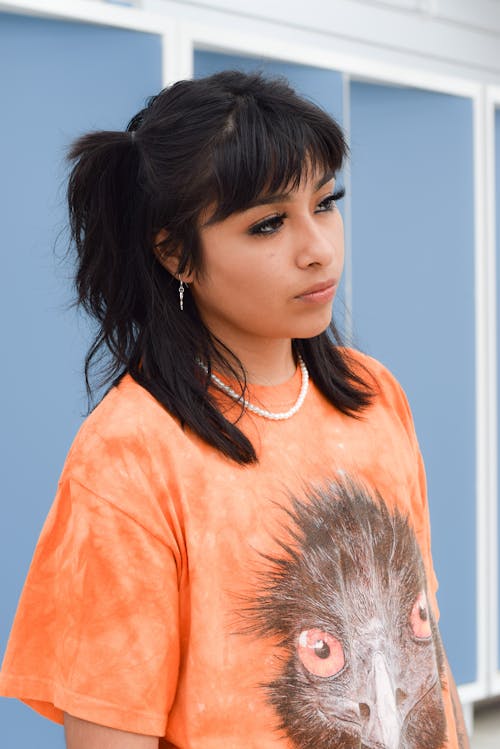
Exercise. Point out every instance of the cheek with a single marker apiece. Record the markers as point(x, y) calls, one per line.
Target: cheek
point(243, 290)
point(250, 273)
point(245, 279)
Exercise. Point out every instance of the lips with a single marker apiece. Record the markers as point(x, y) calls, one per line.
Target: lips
point(320, 292)
point(318, 287)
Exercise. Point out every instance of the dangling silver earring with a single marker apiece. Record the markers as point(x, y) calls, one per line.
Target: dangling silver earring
point(181, 294)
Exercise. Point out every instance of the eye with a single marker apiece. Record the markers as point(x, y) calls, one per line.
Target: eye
point(321, 653)
point(419, 618)
point(268, 226)
point(327, 204)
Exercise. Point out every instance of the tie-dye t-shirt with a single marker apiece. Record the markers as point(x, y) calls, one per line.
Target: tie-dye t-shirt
point(288, 603)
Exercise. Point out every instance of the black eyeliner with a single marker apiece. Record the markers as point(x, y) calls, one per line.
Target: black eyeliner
point(254, 230)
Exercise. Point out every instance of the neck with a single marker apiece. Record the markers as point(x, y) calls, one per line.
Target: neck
point(271, 362)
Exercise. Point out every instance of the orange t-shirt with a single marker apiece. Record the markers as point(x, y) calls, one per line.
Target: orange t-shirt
point(176, 593)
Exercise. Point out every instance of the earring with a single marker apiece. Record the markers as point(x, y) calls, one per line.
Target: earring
point(181, 294)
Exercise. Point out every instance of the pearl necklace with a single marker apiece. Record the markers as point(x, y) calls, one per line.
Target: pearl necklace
point(262, 411)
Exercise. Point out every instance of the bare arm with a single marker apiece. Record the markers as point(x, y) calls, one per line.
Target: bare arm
point(81, 734)
point(463, 739)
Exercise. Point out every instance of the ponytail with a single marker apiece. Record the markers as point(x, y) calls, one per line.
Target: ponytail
point(108, 213)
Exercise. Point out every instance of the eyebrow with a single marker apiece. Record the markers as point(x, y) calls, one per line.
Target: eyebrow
point(281, 197)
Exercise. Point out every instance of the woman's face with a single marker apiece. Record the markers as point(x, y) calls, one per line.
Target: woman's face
point(272, 270)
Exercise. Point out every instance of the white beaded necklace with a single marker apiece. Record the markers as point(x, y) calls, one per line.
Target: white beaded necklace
point(262, 411)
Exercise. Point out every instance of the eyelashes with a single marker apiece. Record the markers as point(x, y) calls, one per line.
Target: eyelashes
point(271, 225)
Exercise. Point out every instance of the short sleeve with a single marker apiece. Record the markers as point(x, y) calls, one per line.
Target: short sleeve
point(96, 629)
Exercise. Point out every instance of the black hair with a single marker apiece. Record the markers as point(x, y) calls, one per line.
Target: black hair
point(218, 141)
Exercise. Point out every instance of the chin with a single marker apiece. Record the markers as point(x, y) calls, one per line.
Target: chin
point(311, 330)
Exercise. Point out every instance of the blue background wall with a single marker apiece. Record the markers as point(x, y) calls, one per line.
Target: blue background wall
point(413, 308)
point(57, 80)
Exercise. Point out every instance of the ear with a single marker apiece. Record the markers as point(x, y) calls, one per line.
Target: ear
point(169, 261)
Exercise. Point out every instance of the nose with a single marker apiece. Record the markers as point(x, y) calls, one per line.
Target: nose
point(315, 243)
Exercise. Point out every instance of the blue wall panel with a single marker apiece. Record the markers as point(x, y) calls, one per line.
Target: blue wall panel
point(323, 87)
point(413, 308)
point(57, 80)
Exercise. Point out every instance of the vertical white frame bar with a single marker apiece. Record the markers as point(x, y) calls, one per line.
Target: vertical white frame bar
point(479, 690)
point(348, 322)
point(178, 53)
point(492, 103)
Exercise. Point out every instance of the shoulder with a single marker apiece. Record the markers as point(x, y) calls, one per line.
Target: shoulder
point(126, 451)
point(387, 390)
point(127, 409)
point(129, 415)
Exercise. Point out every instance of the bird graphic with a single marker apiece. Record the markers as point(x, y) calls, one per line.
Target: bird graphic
point(360, 660)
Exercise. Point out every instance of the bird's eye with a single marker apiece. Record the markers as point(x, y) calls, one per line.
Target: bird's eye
point(321, 653)
point(419, 618)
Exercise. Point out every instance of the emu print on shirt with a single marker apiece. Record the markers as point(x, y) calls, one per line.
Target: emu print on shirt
point(360, 657)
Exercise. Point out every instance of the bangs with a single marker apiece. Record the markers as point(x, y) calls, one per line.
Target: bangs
point(264, 150)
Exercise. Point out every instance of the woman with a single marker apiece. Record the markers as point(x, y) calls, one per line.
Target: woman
point(239, 551)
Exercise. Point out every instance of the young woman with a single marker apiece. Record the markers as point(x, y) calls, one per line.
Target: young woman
point(238, 555)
